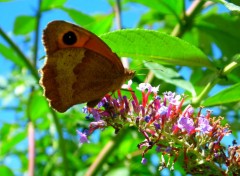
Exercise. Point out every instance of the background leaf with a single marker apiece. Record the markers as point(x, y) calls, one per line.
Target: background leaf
point(170, 76)
point(9, 53)
point(228, 95)
point(24, 25)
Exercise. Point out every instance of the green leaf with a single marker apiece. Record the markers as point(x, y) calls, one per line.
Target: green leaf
point(102, 24)
point(155, 46)
point(163, 6)
point(24, 25)
point(119, 171)
point(4, 170)
point(48, 5)
point(98, 24)
point(79, 17)
point(13, 141)
point(170, 76)
point(229, 5)
point(223, 30)
point(228, 95)
point(37, 105)
point(10, 54)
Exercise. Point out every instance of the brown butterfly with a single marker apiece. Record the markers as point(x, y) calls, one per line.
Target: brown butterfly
point(79, 67)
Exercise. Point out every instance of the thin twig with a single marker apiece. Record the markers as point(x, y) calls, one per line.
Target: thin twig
point(28, 64)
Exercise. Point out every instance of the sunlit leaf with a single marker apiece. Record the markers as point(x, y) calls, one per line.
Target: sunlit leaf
point(10, 54)
point(79, 17)
point(37, 105)
point(229, 5)
point(13, 141)
point(228, 95)
point(164, 6)
point(48, 5)
point(24, 25)
point(156, 47)
point(170, 76)
point(222, 29)
point(6, 171)
point(102, 24)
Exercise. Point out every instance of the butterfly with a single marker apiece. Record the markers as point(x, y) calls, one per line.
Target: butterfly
point(79, 67)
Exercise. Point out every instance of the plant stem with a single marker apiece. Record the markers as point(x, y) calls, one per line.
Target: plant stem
point(35, 51)
point(28, 64)
point(61, 141)
point(226, 70)
point(106, 152)
point(196, 100)
point(31, 149)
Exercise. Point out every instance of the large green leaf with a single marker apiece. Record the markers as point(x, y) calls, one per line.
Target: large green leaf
point(228, 95)
point(24, 25)
point(155, 46)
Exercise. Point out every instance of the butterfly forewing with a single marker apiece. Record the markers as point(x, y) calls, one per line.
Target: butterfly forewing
point(76, 71)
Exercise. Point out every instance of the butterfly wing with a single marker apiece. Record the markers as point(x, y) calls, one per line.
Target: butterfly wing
point(79, 67)
point(76, 75)
point(53, 34)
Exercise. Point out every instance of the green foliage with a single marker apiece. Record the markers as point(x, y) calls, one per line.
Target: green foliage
point(142, 44)
point(167, 38)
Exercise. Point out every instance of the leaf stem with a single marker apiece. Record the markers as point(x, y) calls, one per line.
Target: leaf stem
point(226, 70)
point(231, 66)
point(187, 19)
point(196, 100)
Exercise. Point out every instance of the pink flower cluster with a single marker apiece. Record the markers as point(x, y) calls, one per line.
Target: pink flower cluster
point(179, 134)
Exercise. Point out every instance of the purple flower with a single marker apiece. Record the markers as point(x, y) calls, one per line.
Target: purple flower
point(128, 85)
point(155, 90)
point(203, 125)
point(157, 125)
point(188, 111)
point(143, 86)
point(158, 148)
point(83, 137)
point(186, 124)
point(168, 149)
point(170, 96)
point(163, 122)
point(163, 110)
point(95, 114)
point(144, 161)
point(85, 110)
point(147, 118)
